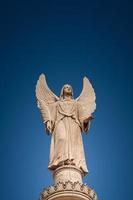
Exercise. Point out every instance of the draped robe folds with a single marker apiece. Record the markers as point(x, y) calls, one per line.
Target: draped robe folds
point(66, 144)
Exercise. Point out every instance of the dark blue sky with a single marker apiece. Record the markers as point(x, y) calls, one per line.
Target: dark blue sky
point(66, 40)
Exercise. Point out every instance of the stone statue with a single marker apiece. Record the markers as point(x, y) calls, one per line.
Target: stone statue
point(65, 119)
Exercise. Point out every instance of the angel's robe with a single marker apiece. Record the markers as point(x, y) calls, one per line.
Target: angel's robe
point(66, 144)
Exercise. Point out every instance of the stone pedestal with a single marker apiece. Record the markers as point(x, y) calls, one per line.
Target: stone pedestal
point(68, 186)
point(67, 173)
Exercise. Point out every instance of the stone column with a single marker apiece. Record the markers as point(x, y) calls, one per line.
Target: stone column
point(68, 186)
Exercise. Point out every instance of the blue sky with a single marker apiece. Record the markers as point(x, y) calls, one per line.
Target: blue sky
point(66, 40)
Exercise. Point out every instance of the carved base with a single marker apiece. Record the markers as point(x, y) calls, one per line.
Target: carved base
point(68, 186)
point(68, 191)
point(67, 173)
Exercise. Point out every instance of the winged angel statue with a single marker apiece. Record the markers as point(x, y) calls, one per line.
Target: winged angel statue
point(65, 119)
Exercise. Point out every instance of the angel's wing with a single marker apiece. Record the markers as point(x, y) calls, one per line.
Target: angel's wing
point(45, 99)
point(87, 98)
point(43, 93)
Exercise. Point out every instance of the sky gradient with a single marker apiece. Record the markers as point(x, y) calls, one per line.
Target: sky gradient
point(66, 40)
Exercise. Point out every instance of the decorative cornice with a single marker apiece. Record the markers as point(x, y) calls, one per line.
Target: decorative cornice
point(68, 186)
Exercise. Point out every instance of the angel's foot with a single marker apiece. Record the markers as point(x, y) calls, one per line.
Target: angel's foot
point(72, 162)
point(67, 162)
point(61, 164)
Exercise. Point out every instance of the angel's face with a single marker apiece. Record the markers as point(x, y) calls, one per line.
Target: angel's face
point(67, 90)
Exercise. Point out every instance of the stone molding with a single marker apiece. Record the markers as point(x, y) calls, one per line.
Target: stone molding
point(76, 189)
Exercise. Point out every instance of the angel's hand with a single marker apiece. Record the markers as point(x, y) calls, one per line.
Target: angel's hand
point(48, 126)
point(88, 119)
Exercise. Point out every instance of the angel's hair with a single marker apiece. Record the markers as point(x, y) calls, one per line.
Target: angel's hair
point(62, 92)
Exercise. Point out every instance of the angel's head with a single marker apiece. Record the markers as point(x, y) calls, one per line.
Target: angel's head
point(66, 91)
